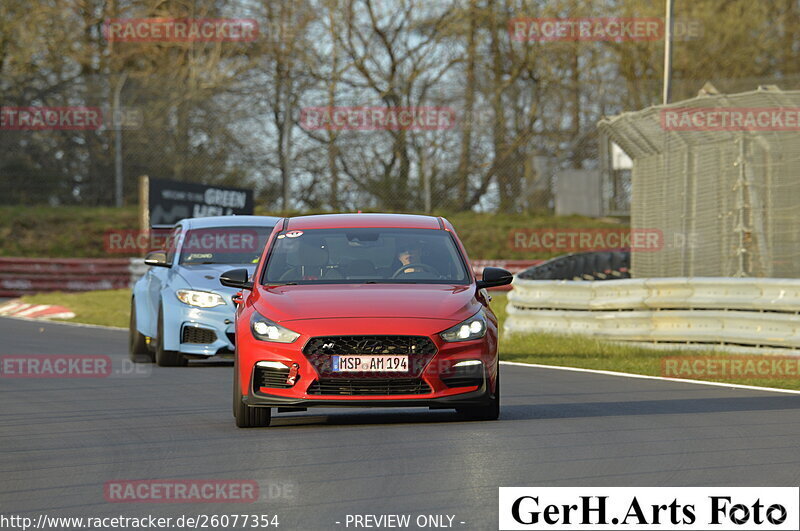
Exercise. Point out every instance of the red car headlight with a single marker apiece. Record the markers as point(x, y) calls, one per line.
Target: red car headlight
point(472, 328)
point(266, 330)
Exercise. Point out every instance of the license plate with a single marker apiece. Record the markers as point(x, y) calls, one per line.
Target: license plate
point(370, 363)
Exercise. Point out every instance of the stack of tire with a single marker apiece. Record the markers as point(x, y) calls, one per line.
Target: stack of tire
point(597, 265)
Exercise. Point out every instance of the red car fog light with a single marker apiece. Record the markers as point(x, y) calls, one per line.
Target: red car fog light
point(275, 375)
point(466, 373)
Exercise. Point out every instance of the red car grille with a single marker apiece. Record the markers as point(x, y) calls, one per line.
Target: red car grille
point(369, 386)
point(419, 349)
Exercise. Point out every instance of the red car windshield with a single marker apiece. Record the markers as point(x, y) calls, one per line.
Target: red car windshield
point(329, 256)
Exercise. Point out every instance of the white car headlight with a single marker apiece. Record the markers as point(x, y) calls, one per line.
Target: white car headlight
point(472, 328)
point(201, 299)
point(266, 330)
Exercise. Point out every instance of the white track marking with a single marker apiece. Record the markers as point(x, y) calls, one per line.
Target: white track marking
point(13, 307)
point(27, 312)
point(646, 377)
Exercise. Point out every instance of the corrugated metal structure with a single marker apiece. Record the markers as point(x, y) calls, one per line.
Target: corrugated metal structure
point(720, 176)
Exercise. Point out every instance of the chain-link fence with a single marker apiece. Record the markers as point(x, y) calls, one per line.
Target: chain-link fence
point(718, 175)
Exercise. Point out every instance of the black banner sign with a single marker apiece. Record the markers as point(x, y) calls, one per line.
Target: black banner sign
point(170, 201)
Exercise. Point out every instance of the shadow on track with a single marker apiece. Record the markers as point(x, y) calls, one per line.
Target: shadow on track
point(557, 411)
point(686, 406)
point(367, 417)
point(199, 364)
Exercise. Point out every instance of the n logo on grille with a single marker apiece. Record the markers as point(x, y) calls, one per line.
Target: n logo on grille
point(368, 345)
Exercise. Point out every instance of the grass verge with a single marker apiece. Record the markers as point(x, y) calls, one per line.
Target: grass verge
point(110, 308)
point(61, 232)
point(106, 307)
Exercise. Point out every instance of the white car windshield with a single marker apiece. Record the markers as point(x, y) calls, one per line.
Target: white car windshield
point(223, 245)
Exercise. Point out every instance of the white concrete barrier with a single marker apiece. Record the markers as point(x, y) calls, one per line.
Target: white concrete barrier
point(758, 313)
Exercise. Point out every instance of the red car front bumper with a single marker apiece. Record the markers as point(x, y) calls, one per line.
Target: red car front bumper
point(433, 379)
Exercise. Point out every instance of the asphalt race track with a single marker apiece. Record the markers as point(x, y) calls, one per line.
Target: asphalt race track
point(61, 440)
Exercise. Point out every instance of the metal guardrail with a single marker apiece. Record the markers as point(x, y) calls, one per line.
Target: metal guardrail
point(742, 312)
point(23, 276)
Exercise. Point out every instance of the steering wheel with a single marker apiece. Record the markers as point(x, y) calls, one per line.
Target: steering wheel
point(290, 274)
point(426, 267)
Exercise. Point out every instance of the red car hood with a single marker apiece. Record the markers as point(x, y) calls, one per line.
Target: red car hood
point(425, 301)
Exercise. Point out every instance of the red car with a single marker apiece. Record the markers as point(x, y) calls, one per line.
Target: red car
point(364, 310)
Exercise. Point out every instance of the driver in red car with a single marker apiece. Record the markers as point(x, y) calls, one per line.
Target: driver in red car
point(409, 253)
